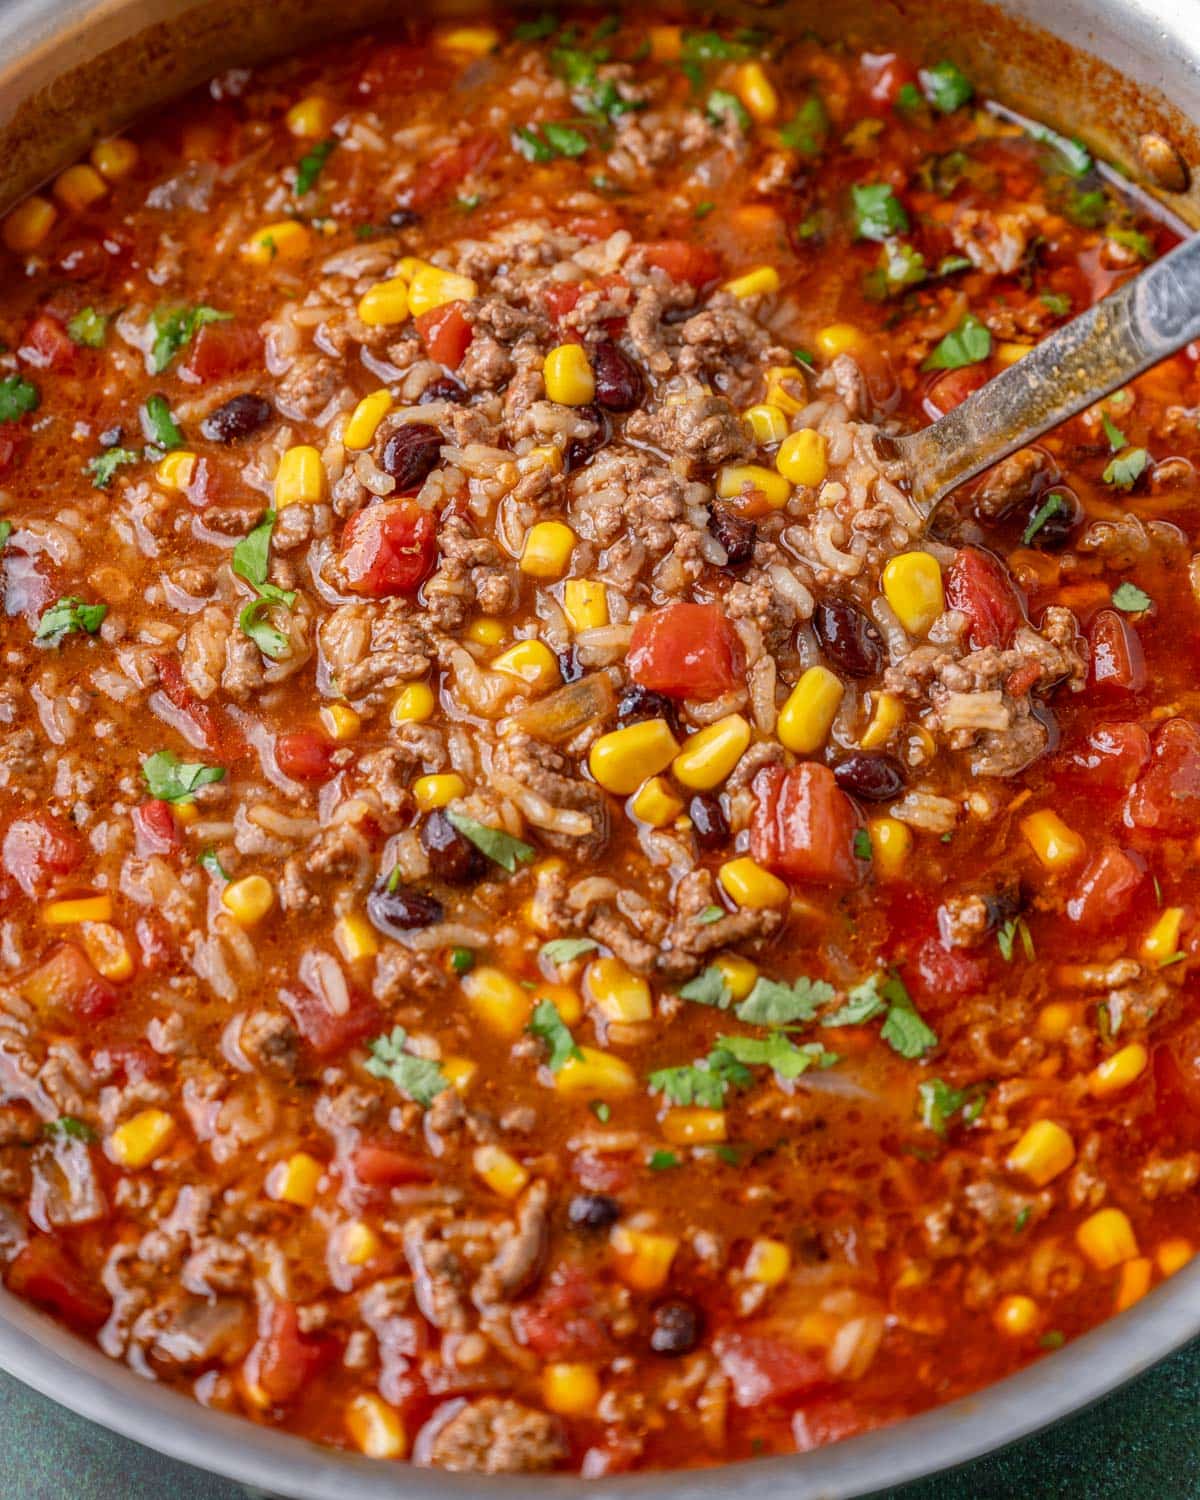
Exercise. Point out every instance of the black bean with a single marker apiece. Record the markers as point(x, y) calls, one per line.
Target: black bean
point(579, 450)
point(676, 1328)
point(735, 534)
point(402, 218)
point(593, 1211)
point(411, 454)
point(237, 418)
point(848, 638)
point(1049, 525)
point(638, 703)
point(709, 823)
point(870, 775)
point(402, 909)
point(619, 383)
point(452, 857)
point(444, 388)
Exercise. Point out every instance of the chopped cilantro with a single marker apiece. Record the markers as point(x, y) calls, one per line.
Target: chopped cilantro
point(704, 1082)
point(105, 465)
point(548, 1024)
point(878, 213)
point(909, 99)
point(967, 344)
point(469, 202)
point(702, 210)
point(251, 556)
point(537, 30)
point(499, 846)
point(900, 265)
point(172, 780)
point(1131, 599)
point(1058, 302)
point(602, 1110)
point(708, 988)
point(1133, 239)
point(71, 1127)
point(723, 106)
point(419, 1078)
point(1054, 1339)
point(159, 425)
point(251, 560)
point(17, 398)
point(711, 46)
point(1087, 209)
point(776, 1050)
point(310, 166)
point(942, 173)
point(1052, 505)
point(69, 616)
point(175, 327)
point(1007, 935)
point(939, 1103)
point(709, 915)
point(770, 1003)
point(862, 844)
point(1073, 156)
point(946, 87)
point(566, 950)
point(548, 141)
point(950, 264)
point(599, 98)
point(270, 640)
point(210, 860)
point(662, 1161)
point(863, 1003)
point(1126, 468)
point(728, 1154)
point(462, 960)
point(903, 1030)
point(1022, 1218)
point(1116, 438)
point(803, 357)
point(6, 530)
point(808, 128)
point(87, 328)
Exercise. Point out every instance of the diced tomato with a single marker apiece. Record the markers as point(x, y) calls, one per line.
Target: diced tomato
point(804, 825)
point(686, 651)
point(447, 169)
point(304, 755)
point(978, 585)
point(155, 828)
point(938, 972)
point(389, 549)
point(44, 1272)
point(884, 74)
point(220, 737)
point(1106, 887)
point(95, 1002)
point(221, 349)
point(1166, 797)
point(951, 389)
point(595, 226)
point(39, 849)
point(683, 260)
point(766, 1367)
point(399, 68)
point(604, 1171)
point(133, 1062)
point(831, 1420)
point(324, 1031)
point(1117, 666)
point(283, 1360)
point(563, 1321)
point(560, 298)
point(47, 345)
point(386, 1166)
point(446, 333)
point(59, 980)
point(1113, 757)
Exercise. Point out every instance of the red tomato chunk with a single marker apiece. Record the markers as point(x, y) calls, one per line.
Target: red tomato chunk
point(804, 825)
point(978, 584)
point(389, 549)
point(686, 651)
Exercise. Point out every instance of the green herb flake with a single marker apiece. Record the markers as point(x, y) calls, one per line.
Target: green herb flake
point(803, 357)
point(1073, 157)
point(18, 398)
point(662, 1161)
point(602, 1110)
point(88, 328)
point(172, 780)
point(968, 344)
point(708, 988)
point(1116, 438)
point(176, 327)
point(537, 30)
point(1124, 471)
point(946, 87)
point(565, 139)
point(105, 465)
point(1057, 302)
point(779, 1052)
point(1133, 239)
point(566, 950)
point(1054, 1339)
point(723, 106)
point(270, 640)
point(862, 844)
point(704, 1083)
point(808, 129)
point(159, 425)
point(901, 265)
point(1052, 505)
point(500, 847)
point(709, 915)
point(1087, 209)
point(210, 860)
point(939, 1103)
point(909, 99)
point(462, 960)
point(469, 202)
point(69, 616)
point(903, 1029)
point(878, 213)
point(702, 210)
point(418, 1078)
point(1131, 599)
point(950, 265)
point(770, 1003)
point(71, 1128)
point(548, 1024)
point(863, 1003)
point(311, 165)
point(6, 530)
point(1022, 1219)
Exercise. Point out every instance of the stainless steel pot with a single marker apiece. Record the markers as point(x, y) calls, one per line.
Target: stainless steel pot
point(1108, 70)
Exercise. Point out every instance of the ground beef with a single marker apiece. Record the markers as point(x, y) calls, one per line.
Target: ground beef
point(497, 1436)
point(702, 431)
point(546, 773)
point(1011, 482)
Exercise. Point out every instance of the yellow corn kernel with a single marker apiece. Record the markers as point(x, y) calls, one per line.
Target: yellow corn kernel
point(586, 603)
point(887, 715)
point(309, 119)
point(807, 717)
point(300, 478)
point(780, 378)
point(621, 760)
point(568, 375)
point(79, 187)
point(174, 471)
point(694, 1127)
point(530, 662)
point(477, 40)
point(286, 241)
point(734, 479)
point(115, 159)
point(77, 909)
point(1056, 845)
point(377, 1428)
point(1133, 1282)
point(141, 1138)
point(384, 304)
point(1172, 1255)
point(248, 900)
point(28, 224)
point(760, 282)
point(485, 631)
point(757, 92)
point(768, 1262)
point(567, 1001)
point(544, 456)
point(438, 791)
point(1161, 943)
point(709, 756)
point(655, 803)
point(186, 812)
point(108, 950)
point(767, 423)
point(1007, 353)
point(503, 1173)
point(643, 1259)
point(666, 43)
point(413, 704)
point(355, 938)
point(803, 458)
point(912, 585)
point(1055, 1020)
point(891, 844)
point(432, 287)
point(547, 550)
point(601, 1075)
point(1017, 1316)
point(366, 417)
point(1044, 1151)
point(838, 338)
point(1118, 1071)
point(570, 1390)
point(295, 1180)
point(498, 1000)
point(747, 884)
point(340, 722)
point(617, 993)
point(1107, 1239)
point(458, 1072)
point(359, 1243)
point(739, 974)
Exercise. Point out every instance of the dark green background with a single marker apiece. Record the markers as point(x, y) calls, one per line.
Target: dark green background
point(1140, 1444)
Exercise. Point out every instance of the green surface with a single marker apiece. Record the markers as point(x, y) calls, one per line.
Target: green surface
point(1140, 1444)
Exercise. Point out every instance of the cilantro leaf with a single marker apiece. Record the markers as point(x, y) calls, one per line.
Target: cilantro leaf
point(900, 265)
point(160, 426)
point(269, 639)
point(903, 1030)
point(1089, 210)
point(565, 139)
point(17, 398)
point(210, 860)
point(1116, 438)
point(939, 1103)
point(6, 530)
point(1126, 469)
point(174, 327)
point(1131, 599)
point(310, 166)
point(71, 1127)
point(808, 129)
point(419, 1078)
point(777, 1051)
point(967, 344)
point(863, 1003)
point(529, 144)
point(251, 560)
point(1007, 935)
point(548, 1024)
point(602, 1110)
point(946, 87)
point(566, 950)
point(878, 213)
point(711, 46)
point(662, 1161)
point(770, 1003)
point(1133, 239)
point(1058, 302)
point(501, 847)
point(1073, 156)
point(172, 780)
point(909, 99)
point(252, 554)
point(1051, 506)
point(462, 960)
point(105, 465)
point(69, 616)
point(723, 106)
point(705, 1082)
point(862, 844)
point(88, 328)
point(708, 988)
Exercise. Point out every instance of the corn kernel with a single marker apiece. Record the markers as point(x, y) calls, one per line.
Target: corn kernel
point(734, 479)
point(432, 287)
point(248, 900)
point(1043, 1152)
point(807, 717)
point(77, 909)
point(803, 458)
point(498, 1000)
point(748, 885)
point(709, 756)
point(912, 585)
point(359, 1243)
point(186, 812)
point(377, 1428)
point(1056, 845)
point(887, 715)
point(27, 225)
point(115, 159)
point(430, 792)
point(694, 1127)
point(458, 1072)
point(1007, 352)
point(643, 1259)
point(617, 993)
point(757, 92)
point(1133, 1282)
point(768, 1262)
point(1118, 1071)
point(739, 974)
point(108, 950)
point(567, 1001)
point(760, 282)
point(838, 338)
point(666, 43)
point(891, 845)
point(547, 550)
point(503, 1173)
point(1173, 1255)
point(1107, 1239)
point(295, 1180)
point(568, 375)
point(780, 379)
point(366, 417)
point(655, 803)
point(571, 1390)
point(79, 187)
point(300, 478)
point(174, 471)
point(384, 304)
point(1161, 943)
point(477, 40)
point(486, 632)
point(1017, 1316)
point(355, 938)
point(413, 704)
point(309, 119)
point(340, 722)
point(600, 1074)
point(621, 760)
point(141, 1138)
point(586, 603)
point(286, 241)
point(530, 662)
point(544, 456)
point(1055, 1020)
point(767, 423)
